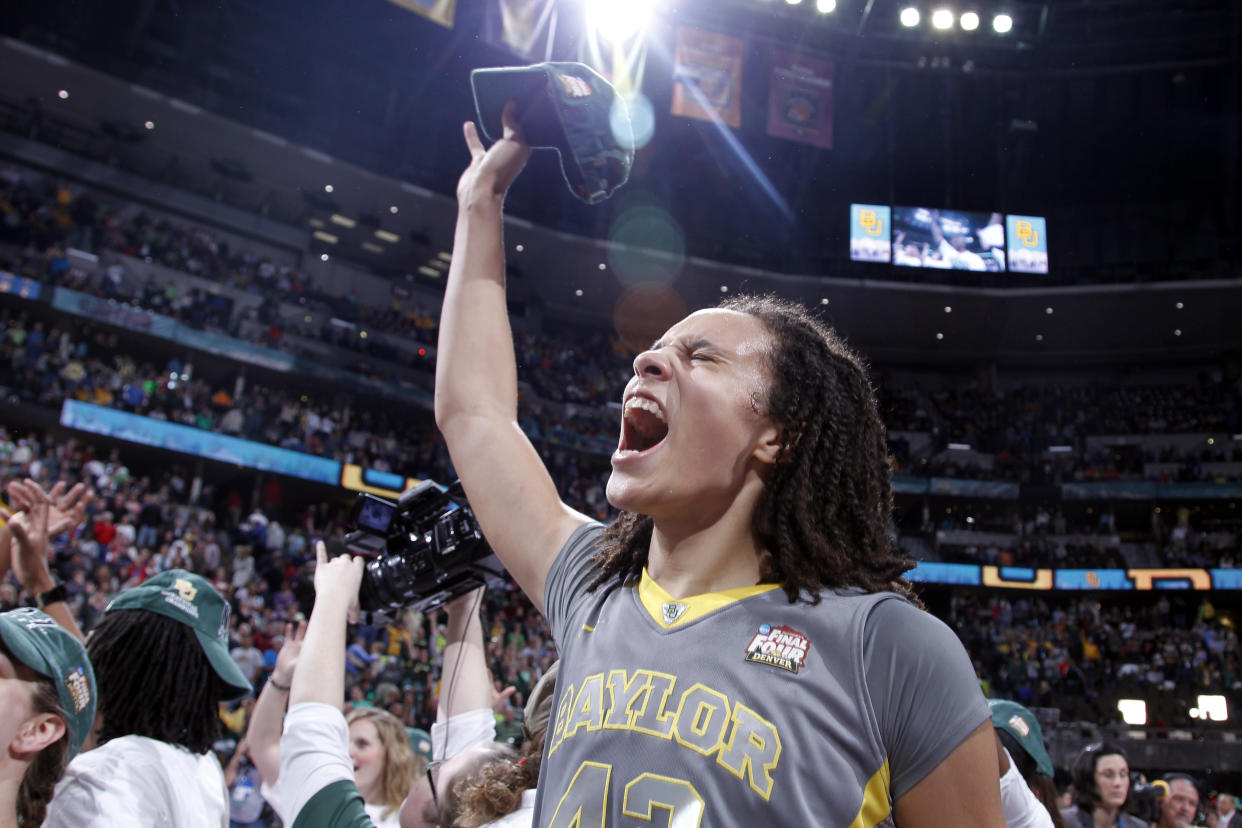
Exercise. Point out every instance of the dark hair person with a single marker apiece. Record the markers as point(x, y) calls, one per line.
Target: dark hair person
point(1101, 789)
point(162, 661)
point(743, 625)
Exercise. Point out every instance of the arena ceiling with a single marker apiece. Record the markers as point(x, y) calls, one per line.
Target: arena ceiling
point(1117, 120)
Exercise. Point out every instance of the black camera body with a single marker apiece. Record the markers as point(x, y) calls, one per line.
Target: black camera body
point(1145, 800)
point(422, 551)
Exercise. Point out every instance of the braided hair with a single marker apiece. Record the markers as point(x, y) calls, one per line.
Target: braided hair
point(154, 680)
point(825, 511)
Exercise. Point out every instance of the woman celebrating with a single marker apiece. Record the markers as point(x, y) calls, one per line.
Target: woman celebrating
point(1101, 788)
point(383, 763)
point(743, 626)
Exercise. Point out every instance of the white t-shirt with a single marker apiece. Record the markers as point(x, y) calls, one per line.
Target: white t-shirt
point(139, 782)
point(1022, 808)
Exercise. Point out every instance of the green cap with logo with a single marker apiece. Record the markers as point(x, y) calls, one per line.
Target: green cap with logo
point(1022, 725)
point(36, 640)
point(192, 600)
point(420, 742)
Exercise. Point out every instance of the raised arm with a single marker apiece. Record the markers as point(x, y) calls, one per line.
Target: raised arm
point(30, 530)
point(465, 683)
point(263, 733)
point(476, 397)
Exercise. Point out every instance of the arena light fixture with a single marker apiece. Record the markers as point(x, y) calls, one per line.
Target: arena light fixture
point(1179, 306)
point(794, 2)
point(63, 94)
point(909, 17)
point(969, 21)
point(393, 209)
point(603, 266)
point(323, 257)
point(578, 292)
point(326, 237)
point(618, 20)
point(942, 19)
point(1177, 331)
point(1133, 711)
point(824, 301)
point(430, 271)
point(388, 236)
point(344, 221)
point(1215, 708)
point(1002, 24)
point(939, 336)
point(948, 309)
point(149, 124)
point(1048, 311)
point(825, 6)
point(327, 188)
point(958, 446)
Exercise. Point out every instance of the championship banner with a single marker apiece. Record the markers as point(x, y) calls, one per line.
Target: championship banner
point(707, 76)
point(524, 27)
point(800, 100)
point(441, 11)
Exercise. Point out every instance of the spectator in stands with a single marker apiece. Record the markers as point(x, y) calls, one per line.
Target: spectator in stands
point(1180, 805)
point(47, 706)
point(161, 656)
point(1227, 811)
point(1101, 789)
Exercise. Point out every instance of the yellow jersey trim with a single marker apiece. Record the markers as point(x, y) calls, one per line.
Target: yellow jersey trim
point(875, 804)
point(655, 598)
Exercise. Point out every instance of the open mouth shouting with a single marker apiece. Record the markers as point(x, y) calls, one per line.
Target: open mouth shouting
point(642, 427)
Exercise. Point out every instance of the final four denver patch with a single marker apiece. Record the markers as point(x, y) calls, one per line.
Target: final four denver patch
point(782, 647)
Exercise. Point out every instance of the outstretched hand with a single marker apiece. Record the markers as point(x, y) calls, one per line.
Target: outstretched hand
point(30, 531)
point(337, 580)
point(67, 508)
point(492, 170)
point(287, 658)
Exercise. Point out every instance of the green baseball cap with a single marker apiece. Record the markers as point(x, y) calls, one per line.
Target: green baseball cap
point(36, 640)
point(1022, 725)
point(420, 742)
point(192, 600)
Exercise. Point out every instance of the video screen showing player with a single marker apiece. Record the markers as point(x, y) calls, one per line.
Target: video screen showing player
point(869, 232)
point(948, 239)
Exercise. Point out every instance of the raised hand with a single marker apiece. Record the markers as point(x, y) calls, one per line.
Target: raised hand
point(287, 658)
point(492, 170)
point(68, 509)
point(30, 532)
point(337, 580)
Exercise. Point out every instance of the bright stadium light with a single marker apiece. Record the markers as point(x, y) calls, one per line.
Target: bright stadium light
point(942, 19)
point(825, 6)
point(1002, 23)
point(618, 20)
point(793, 2)
point(1214, 708)
point(910, 17)
point(969, 21)
point(1133, 711)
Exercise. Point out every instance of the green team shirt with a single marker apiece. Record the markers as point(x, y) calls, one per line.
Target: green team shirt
point(740, 708)
point(339, 805)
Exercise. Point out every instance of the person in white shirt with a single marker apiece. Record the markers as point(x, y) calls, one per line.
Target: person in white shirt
point(162, 662)
point(954, 250)
point(1028, 793)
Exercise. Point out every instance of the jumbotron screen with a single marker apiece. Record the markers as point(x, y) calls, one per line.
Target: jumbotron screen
point(870, 239)
point(1028, 244)
point(948, 239)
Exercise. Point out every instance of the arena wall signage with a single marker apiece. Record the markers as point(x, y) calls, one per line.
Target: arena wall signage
point(1014, 577)
point(18, 286)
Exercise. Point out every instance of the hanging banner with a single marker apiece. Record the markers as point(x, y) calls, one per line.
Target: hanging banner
point(800, 99)
point(524, 27)
point(707, 76)
point(441, 11)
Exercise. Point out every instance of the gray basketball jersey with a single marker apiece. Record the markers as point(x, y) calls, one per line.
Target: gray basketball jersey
point(730, 709)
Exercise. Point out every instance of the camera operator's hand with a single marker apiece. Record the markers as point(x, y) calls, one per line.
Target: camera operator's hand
point(492, 170)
